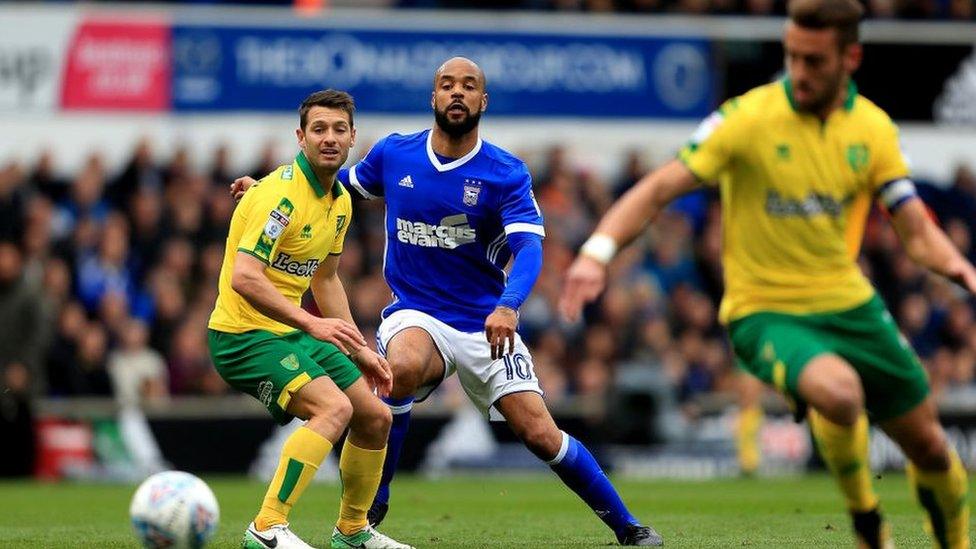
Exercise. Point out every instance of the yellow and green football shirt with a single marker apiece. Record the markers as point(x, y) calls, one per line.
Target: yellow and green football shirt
point(796, 192)
point(291, 223)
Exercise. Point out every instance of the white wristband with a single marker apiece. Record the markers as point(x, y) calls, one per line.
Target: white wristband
point(600, 247)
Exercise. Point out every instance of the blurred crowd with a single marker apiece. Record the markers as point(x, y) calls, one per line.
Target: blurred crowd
point(959, 10)
point(107, 281)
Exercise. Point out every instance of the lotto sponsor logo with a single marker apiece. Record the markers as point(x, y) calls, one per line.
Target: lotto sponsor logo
point(451, 232)
point(813, 205)
point(298, 268)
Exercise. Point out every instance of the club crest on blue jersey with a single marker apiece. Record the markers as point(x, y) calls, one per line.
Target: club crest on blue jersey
point(472, 189)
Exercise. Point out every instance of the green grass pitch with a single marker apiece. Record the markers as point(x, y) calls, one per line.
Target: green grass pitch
point(490, 511)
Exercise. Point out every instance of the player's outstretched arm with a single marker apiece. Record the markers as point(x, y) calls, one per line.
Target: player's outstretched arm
point(928, 246)
point(624, 221)
point(330, 296)
point(250, 282)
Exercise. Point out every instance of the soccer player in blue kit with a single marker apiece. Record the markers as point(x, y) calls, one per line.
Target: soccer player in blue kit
point(457, 209)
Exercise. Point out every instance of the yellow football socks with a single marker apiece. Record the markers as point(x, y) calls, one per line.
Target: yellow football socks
point(301, 456)
point(747, 438)
point(943, 495)
point(360, 470)
point(845, 450)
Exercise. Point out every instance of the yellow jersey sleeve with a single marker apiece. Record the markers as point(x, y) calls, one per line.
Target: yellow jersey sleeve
point(266, 216)
point(715, 142)
point(342, 224)
point(889, 162)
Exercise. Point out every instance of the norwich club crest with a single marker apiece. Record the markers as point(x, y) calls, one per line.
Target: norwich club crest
point(290, 362)
point(857, 156)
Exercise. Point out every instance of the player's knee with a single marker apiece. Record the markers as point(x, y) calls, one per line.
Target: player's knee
point(930, 452)
point(381, 419)
point(407, 376)
point(541, 439)
point(843, 404)
point(838, 397)
point(337, 408)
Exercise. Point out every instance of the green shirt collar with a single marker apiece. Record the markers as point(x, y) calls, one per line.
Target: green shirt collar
point(848, 102)
point(313, 179)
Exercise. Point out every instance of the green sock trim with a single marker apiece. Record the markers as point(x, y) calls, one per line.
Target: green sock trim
point(292, 474)
point(927, 498)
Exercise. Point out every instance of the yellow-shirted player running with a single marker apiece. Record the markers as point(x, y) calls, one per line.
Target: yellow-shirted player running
point(286, 237)
point(798, 163)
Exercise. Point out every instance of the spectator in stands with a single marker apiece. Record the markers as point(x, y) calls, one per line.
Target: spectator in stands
point(90, 362)
point(138, 372)
point(13, 202)
point(23, 332)
point(140, 174)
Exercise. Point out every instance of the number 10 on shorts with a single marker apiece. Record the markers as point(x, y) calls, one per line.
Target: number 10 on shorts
point(517, 365)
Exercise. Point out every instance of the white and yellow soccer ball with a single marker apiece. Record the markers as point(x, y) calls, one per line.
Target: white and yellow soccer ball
point(175, 510)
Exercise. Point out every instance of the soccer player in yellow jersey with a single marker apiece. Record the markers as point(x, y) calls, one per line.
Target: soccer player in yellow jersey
point(286, 237)
point(798, 163)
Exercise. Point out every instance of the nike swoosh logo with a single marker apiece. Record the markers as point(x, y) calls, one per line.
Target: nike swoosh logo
point(268, 542)
point(347, 544)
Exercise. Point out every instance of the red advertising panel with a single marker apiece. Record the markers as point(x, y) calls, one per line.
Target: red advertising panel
point(121, 65)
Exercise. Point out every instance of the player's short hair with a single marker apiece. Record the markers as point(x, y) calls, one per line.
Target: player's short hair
point(844, 16)
point(332, 99)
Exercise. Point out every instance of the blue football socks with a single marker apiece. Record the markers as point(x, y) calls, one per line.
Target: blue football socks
point(578, 469)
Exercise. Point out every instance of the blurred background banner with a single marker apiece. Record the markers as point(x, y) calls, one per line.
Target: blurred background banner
point(32, 54)
point(118, 65)
point(260, 69)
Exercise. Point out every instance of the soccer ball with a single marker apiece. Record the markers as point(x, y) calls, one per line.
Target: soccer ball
point(175, 510)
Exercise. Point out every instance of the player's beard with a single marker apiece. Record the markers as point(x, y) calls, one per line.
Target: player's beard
point(456, 129)
point(832, 89)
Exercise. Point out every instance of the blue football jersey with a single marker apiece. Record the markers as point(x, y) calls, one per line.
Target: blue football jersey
point(446, 224)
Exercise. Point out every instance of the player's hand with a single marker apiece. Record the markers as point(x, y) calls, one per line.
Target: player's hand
point(240, 186)
point(338, 332)
point(585, 280)
point(965, 276)
point(375, 369)
point(499, 328)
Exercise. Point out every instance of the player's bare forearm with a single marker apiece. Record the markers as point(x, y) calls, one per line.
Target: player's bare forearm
point(330, 296)
point(250, 282)
point(329, 293)
point(627, 218)
point(927, 245)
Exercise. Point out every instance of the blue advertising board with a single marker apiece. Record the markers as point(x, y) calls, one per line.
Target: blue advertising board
point(260, 69)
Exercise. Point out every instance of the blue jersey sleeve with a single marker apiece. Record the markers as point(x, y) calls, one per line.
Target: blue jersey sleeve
point(366, 176)
point(527, 249)
point(519, 210)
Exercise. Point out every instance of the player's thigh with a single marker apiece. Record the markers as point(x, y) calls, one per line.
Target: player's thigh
point(269, 367)
point(776, 348)
point(339, 367)
point(486, 380)
point(920, 435)
point(831, 386)
point(320, 397)
point(893, 377)
point(420, 350)
point(413, 354)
